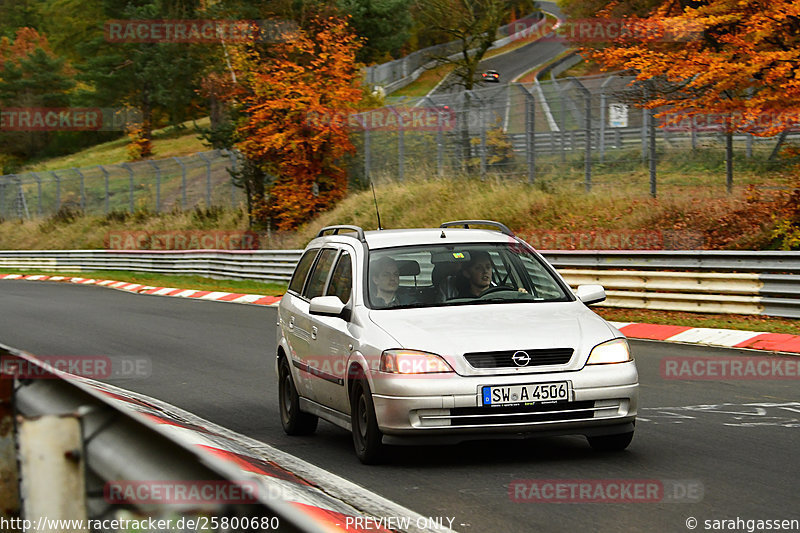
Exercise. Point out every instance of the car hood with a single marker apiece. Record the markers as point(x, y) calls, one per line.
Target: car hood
point(454, 330)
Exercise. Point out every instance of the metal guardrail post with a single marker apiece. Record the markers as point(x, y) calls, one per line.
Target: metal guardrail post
point(562, 102)
point(38, 193)
point(587, 170)
point(117, 446)
point(603, 103)
point(52, 468)
point(439, 137)
point(651, 130)
point(2, 198)
point(208, 177)
point(158, 185)
point(183, 182)
point(530, 133)
point(58, 189)
point(9, 472)
point(645, 116)
point(105, 183)
point(83, 187)
point(483, 149)
point(20, 202)
point(131, 206)
point(232, 155)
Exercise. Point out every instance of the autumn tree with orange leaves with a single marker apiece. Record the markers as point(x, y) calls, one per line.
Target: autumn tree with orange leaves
point(739, 59)
point(293, 94)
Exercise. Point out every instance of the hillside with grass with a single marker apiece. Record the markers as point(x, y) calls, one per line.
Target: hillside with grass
point(756, 215)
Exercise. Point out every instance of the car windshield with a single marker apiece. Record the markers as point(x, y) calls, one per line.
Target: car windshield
point(463, 274)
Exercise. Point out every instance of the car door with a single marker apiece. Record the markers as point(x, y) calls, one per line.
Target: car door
point(302, 336)
point(331, 336)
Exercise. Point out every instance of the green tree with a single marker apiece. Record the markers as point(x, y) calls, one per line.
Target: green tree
point(31, 76)
point(16, 14)
point(472, 24)
point(158, 78)
point(383, 24)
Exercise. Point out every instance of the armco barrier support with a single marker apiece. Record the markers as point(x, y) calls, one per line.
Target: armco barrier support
point(762, 283)
point(119, 445)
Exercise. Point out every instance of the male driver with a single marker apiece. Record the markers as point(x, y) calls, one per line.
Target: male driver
point(385, 280)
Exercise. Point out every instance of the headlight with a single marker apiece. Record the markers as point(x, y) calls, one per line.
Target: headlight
point(614, 351)
point(413, 362)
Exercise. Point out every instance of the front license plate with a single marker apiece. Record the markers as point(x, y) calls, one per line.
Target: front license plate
point(525, 394)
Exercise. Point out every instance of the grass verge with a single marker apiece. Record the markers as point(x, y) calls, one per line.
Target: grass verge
point(166, 280)
point(167, 142)
point(699, 320)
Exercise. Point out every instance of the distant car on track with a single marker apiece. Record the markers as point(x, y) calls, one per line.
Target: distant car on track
point(443, 335)
point(491, 76)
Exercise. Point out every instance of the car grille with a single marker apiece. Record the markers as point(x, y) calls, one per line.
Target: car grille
point(554, 412)
point(521, 416)
point(503, 359)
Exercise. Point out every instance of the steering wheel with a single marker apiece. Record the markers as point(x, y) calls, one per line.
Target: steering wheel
point(498, 288)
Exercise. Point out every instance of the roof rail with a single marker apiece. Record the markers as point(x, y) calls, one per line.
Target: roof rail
point(466, 223)
point(343, 227)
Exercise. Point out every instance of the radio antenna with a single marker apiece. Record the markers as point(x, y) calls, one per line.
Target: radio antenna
point(377, 211)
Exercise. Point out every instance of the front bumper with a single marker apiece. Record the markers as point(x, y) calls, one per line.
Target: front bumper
point(603, 400)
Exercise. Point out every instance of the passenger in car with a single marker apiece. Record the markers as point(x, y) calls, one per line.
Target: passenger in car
point(476, 275)
point(384, 277)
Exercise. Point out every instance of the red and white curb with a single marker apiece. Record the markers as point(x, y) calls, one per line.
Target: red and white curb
point(727, 338)
point(255, 299)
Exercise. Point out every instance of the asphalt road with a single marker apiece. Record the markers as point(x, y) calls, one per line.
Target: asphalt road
point(214, 359)
point(512, 64)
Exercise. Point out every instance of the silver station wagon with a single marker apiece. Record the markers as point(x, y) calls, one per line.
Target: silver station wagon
point(447, 334)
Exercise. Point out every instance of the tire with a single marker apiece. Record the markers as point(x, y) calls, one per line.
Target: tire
point(293, 420)
point(611, 443)
point(367, 437)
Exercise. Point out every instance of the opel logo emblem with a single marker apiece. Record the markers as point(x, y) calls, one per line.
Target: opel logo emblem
point(521, 358)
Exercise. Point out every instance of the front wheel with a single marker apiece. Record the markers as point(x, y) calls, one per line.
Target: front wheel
point(611, 443)
point(293, 420)
point(367, 437)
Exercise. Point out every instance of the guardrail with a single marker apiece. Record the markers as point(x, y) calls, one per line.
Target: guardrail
point(266, 265)
point(396, 74)
point(66, 440)
point(756, 283)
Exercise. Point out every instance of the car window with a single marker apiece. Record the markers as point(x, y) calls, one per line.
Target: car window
point(461, 274)
point(300, 273)
point(542, 282)
point(319, 276)
point(341, 283)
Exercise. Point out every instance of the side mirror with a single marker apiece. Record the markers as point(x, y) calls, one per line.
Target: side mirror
point(326, 306)
point(590, 294)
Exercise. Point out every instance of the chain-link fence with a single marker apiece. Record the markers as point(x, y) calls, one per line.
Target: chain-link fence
point(155, 185)
point(586, 132)
point(578, 132)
